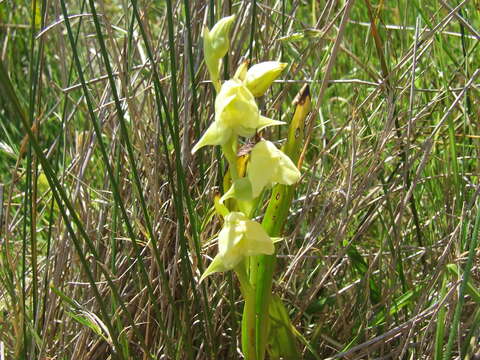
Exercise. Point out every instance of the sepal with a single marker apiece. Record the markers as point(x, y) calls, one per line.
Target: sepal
point(241, 189)
point(215, 266)
point(216, 134)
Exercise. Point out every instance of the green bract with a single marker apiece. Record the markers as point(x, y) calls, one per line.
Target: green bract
point(269, 165)
point(215, 45)
point(260, 76)
point(236, 114)
point(239, 237)
point(241, 189)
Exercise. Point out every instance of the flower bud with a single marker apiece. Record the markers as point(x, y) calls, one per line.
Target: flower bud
point(215, 45)
point(268, 166)
point(260, 76)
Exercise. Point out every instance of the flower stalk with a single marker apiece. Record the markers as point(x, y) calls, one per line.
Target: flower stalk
point(244, 245)
point(249, 315)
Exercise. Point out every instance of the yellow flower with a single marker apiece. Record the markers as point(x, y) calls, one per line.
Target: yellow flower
point(236, 114)
point(260, 76)
point(269, 166)
point(239, 237)
point(215, 45)
point(235, 107)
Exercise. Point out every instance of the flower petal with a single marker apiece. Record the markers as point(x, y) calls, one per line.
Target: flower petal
point(241, 189)
point(259, 169)
point(258, 240)
point(231, 233)
point(216, 134)
point(269, 165)
point(264, 122)
point(215, 266)
point(235, 107)
point(287, 172)
point(241, 72)
point(260, 76)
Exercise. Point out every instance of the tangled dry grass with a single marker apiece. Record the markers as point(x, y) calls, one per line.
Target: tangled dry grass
point(379, 260)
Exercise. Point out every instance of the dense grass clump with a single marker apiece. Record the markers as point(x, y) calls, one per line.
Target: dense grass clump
point(106, 222)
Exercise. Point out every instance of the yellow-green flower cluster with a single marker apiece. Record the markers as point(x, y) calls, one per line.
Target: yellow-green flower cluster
point(237, 115)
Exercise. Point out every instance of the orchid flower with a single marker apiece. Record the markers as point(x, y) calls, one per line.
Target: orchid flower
point(260, 76)
point(268, 166)
point(236, 114)
point(239, 237)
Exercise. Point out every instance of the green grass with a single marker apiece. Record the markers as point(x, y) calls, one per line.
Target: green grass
point(105, 216)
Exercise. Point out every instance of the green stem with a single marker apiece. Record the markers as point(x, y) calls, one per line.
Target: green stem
point(248, 318)
point(229, 150)
point(266, 265)
point(262, 268)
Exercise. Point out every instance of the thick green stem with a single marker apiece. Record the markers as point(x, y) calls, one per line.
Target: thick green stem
point(266, 265)
point(262, 267)
point(261, 270)
point(248, 318)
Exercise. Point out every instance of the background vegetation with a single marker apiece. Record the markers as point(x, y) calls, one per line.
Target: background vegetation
point(105, 216)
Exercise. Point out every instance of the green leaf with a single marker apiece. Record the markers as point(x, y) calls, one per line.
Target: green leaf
point(92, 322)
point(470, 289)
point(81, 316)
point(261, 268)
point(440, 330)
point(281, 338)
point(399, 303)
point(361, 266)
